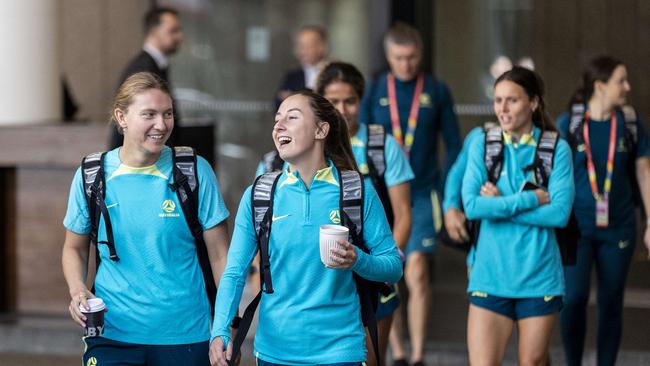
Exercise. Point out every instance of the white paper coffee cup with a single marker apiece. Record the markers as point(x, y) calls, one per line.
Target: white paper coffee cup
point(329, 234)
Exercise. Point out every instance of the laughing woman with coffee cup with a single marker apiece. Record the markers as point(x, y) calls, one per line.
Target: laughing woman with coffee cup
point(313, 314)
point(149, 276)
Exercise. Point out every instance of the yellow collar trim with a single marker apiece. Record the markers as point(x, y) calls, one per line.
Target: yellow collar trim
point(326, 175)
point(355, 141)
point(147, 170)
point(323, 175)
point(526, 139)
point(291, 177)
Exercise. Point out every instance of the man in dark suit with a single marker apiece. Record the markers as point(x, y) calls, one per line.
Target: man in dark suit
point(163, 38)
point(311, 49)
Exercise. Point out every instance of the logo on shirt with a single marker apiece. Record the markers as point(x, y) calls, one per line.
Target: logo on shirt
point(169, 208)
point(91, 361)
point(548, 298)
point(276, 218)
point(621, 146)
point(335, 217)
point(425, 100)
point(623, 244)
point(383, 102)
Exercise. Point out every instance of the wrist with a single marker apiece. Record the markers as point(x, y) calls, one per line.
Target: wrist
point(74, 290)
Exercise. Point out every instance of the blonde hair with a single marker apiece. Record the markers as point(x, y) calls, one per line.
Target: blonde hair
point(135, 84)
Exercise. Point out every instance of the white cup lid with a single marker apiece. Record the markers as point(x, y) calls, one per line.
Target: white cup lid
point(96, 304)
point(334, 229)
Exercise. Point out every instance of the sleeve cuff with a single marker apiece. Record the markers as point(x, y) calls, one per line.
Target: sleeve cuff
point(361, 259)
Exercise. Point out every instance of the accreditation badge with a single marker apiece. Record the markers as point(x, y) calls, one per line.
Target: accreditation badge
point(602, 212)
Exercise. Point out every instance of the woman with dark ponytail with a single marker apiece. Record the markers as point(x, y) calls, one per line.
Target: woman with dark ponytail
point(313, 313)
point(515, 267)
point(611, 157)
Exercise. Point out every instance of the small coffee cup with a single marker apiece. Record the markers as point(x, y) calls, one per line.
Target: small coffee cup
point(94, 317)
point(329, 234)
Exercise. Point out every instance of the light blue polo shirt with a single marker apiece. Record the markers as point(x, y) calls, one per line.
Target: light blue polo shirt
point(313, 315)
point(155, 293)
point(517, 254)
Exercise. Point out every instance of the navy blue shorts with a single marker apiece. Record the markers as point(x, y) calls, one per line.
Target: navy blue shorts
point(517, 309)
point(386, 305)
point(261, 362)
point(101, 351)
point(427, 221)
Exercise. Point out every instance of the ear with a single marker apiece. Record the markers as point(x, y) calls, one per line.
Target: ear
point(322, 130)
point(598, 85)
point(534, 104)
point(120, 117)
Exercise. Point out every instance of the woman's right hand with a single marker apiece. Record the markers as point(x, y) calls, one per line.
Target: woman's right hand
point(79, 297)
point(542, 197)
point(455, 225)
point(219, 356)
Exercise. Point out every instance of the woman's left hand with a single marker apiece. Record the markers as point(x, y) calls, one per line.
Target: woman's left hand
point(344, 257)
point(489, 190)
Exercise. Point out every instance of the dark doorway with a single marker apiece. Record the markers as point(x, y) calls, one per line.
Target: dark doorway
point(7, 240)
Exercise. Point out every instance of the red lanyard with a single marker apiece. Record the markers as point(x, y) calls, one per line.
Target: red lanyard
point(607, 187)
point(413, 115)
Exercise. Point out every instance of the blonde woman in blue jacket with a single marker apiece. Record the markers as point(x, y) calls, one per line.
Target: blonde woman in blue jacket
point(516, 273)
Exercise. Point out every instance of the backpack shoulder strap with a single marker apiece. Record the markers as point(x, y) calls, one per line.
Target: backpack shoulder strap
point(544, 156)
point(351, 204)
point(493, 153)
point(94, 181)
point(375, 149)
point(186, 186)
point(262, 209)
point(631, 126)
point(272, 161)
point(576, 121)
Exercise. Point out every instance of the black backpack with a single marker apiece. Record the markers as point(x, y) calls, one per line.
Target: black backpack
point(186, 186)
point(351, 211)
point(375, 158)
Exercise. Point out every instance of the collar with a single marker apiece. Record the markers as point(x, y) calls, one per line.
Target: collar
point(326, 175)
point(359, 139)
point(311, 74)
point(526, 139)
point(161, 60)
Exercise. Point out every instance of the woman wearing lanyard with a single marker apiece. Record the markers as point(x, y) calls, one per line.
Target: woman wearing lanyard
point(417, 109)
point(313, 315)
point(609, 164)
point(516, 269)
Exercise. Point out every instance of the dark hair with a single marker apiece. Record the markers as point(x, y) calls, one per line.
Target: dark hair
point(533, 85)
point(337, 142)
point(599, 68)
point(320, 31)
point(343, 72)
point(403, 34)
point(153, 17)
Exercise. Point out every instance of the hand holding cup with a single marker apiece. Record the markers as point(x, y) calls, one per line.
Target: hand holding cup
point(335, 250)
